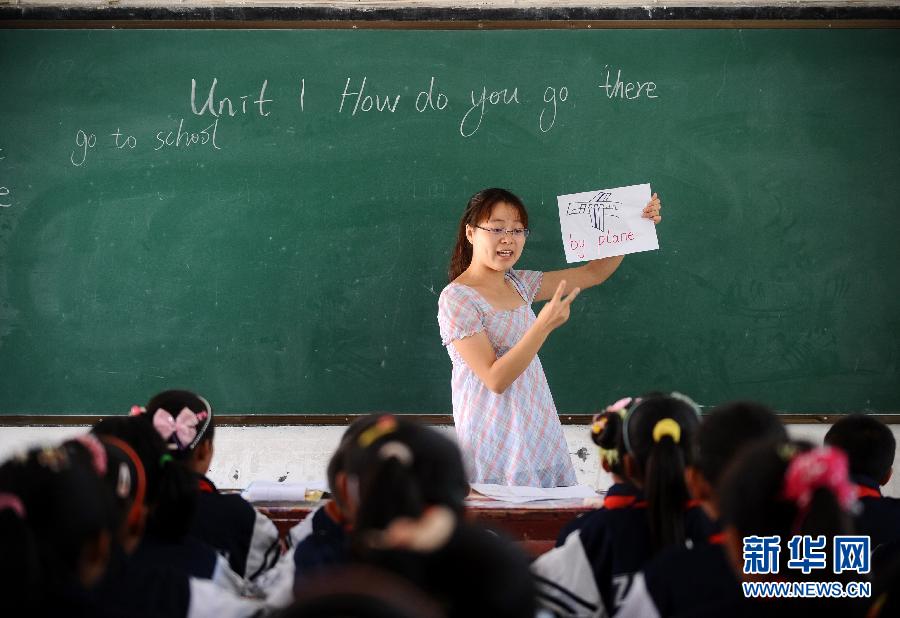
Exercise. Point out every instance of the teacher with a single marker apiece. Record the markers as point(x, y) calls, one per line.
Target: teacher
point(506, 421)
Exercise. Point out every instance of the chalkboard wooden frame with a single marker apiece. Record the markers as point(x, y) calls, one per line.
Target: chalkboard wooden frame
point(772, 16)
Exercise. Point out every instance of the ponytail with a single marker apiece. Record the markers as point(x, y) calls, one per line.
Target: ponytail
point(477, 210)
point(666, 493)
point(658, 433)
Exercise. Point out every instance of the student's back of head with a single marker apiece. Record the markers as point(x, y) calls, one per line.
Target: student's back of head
point(729, 428)
point(185, 422)
point(412, 487)
point(786, 488)
point(170, 487)
point(606, 433)
point(869, 444)
point(659, 432)
point(401, 468)
point(54, 525)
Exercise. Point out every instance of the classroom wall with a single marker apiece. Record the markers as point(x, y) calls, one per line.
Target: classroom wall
point(300, 453)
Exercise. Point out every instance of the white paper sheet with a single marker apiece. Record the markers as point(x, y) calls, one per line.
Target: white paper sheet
point(518, 494)
point(273, 491)
point(606, 222)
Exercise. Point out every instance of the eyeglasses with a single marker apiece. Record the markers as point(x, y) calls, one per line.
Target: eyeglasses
point(521, 232)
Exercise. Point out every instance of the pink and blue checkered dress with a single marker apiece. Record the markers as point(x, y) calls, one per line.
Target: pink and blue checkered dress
point(514, 438)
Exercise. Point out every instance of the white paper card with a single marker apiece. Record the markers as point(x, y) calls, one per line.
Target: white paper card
point(519, 494)
point(273, 491)
point(606, 222)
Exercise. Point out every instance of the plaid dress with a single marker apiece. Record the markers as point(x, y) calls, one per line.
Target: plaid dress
point(514, 438)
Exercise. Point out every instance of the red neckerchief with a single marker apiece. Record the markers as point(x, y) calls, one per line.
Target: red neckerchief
point(716, 539)
point(334, 513)
point(206, 486)
point(618, 502)
point(867, 492)
point(622, 502)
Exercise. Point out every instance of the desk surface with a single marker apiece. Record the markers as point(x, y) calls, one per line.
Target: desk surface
point(533, 525)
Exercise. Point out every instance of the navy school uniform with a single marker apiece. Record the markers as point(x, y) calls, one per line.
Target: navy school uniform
point(879, 516)
point(326, 545)
point(141, 589)
point(668, 584)
point(230, 524)
point(591, 572)
point(619, 495)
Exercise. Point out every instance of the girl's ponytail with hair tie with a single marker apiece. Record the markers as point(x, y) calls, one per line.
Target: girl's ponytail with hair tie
point(667, 427)
point(821, 468)
point(13, 503)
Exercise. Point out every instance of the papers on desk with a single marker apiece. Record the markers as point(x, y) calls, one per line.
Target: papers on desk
point(517, 494)
point(273, 491)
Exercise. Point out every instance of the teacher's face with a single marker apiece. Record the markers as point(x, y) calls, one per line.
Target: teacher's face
point(498, 250)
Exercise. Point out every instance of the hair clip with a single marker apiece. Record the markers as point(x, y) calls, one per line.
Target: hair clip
point(96, 450)
point(136, 411)
point(609, 455)
point(53, 458)
point(383, 426)
point(134, 513)
point(166, 458)
point(396, 450)
point(12, 502)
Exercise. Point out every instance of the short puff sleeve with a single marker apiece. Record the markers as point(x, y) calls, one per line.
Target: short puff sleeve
point(459, 313)
point(528, 281)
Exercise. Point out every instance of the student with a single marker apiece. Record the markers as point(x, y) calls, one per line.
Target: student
point(591, 572)
point(168, 574)
point(606, 433)
point(786, 489)
point(506, 421)
point(226, 522)
point(54, 530)
point(870, 448)
point(322, 539)
point(127, 484)
point(409, 522)
point(666, 585)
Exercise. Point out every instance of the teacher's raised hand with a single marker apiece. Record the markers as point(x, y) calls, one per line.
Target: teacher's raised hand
point(556, 311)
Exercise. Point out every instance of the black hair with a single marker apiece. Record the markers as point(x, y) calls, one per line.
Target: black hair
point(606, 432)
point(61, 506)
point(171, 488)
point(659, 432)
point(868, 443)
point(728, 428)
point(173, 402)
point(752, 497)
point(401, 469)
point(478, 210)
point(338, 461)
point(126, 482)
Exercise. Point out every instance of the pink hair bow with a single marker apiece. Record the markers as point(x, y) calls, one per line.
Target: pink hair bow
point(823, 467)
point(183, 426)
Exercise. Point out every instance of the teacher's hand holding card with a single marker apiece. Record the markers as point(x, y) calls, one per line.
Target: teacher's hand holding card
point(607, 222)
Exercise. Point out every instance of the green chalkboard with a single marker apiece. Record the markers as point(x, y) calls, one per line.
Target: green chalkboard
point(288, 258)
